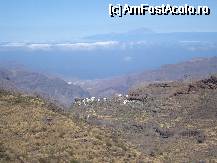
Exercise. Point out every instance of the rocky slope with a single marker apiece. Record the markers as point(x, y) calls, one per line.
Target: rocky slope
point(169, 122)
point(34, 131)
point(197, 68)
point(160, 122)
point(35, 83)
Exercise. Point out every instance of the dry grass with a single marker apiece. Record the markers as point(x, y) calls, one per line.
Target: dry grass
point(167, 127)
point(29, 132)
point(176, 123)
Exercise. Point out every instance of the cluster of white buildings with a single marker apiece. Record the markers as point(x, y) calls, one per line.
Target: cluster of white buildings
point(86, 101)
point(91, 100)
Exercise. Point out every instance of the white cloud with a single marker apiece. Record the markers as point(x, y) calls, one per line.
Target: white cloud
point(61, 46)
point(39, 46)
point(198, 45)
point(87, 46)
point(73, 46)
point(13, 44)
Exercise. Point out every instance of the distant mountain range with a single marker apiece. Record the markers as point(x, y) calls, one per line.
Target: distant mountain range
point(51, 88)
point(64, 93)
point(193, 69)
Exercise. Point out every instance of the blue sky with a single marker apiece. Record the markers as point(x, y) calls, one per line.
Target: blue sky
point(68, 20)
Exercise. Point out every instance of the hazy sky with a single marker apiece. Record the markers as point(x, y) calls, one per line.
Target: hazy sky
point(66, 20)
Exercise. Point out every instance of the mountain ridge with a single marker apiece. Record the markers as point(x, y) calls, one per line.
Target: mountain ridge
point(195, 68)
point(52, 88)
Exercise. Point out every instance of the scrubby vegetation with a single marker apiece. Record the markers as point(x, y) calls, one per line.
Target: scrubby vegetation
point(167, 122)
point(170, 122)
point(31, 132)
